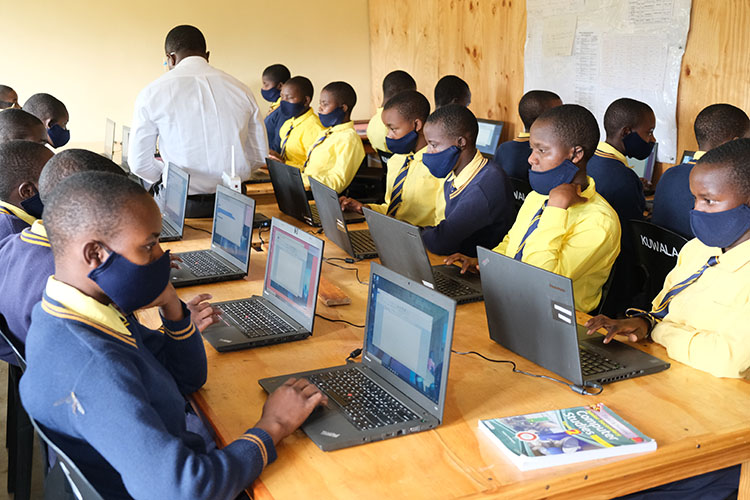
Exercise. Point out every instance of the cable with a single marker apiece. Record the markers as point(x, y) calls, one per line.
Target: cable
point(198, 228)
point(332, 320)
point(575, 388)
point(350, 261)
point(355, 353)
point(260, 231)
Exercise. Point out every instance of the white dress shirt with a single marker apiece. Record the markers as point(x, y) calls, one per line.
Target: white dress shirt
point(198, 113)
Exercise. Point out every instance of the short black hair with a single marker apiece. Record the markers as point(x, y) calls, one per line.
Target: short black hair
point(303, 84)
point(17, 124)
point(534, 103)
point(45, 107)
point(395, 82)
point(88, 202)
point(5, 90)
point(185, 38)
point(719, 123)
point(72, 161)
point(734, 156)
point(20, 161)
point(624, 112)
point(450, 89)
point(277, 73)
point(410, 104)
point(456, 120)
point(573, 126)
point(343, 92)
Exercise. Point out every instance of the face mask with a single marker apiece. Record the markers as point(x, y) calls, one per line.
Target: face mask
point(720, 229)
point(404, 145)
point(440, 164)
point(292, 109)
point(58, 135)
point(33, 206)
point(544, 182)
point(270, 95)
point(636, 147)
point(131, 286)
point(335, 117)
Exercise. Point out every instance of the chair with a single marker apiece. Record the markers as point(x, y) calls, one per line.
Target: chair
point(520, 189)
point(367, 185)
point(656, 250)
point(384, 156)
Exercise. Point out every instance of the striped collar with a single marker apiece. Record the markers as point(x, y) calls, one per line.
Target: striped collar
point(698, 154)
point(523, 137)
point(342, 126)
point(470, 171)
point(36, 234)
point(7, 208)
point(606, 150)
point(304, 116)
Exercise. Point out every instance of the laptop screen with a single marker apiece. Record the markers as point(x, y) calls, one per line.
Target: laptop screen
point(407, 335)
point(175, 197)
point(488, 136)
point(645, 168)
point(687, 156)
point(233, 227)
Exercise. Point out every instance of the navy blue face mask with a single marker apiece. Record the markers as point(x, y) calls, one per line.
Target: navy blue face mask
point(131, 286)
point(636, 147)
point(335, 117)
point(58, 136)
point(292, 109)
point(270, 95)
point(440, 164)
point(403, 145)
point(33, 206)
point(720, 229)
point(544, 182)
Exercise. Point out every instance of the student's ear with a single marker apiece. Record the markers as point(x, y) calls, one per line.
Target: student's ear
point(48, 122)
point(279, 85)
point(461, 142)
point(418, 125)
point(625, 131)
point(308, 100)
point(577, 154)
point(27, 190)
point(94, 254)
point(345, 107)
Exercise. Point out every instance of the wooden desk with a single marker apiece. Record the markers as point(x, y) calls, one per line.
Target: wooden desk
point(700, 422)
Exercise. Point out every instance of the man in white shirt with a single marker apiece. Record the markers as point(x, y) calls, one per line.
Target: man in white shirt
point(197, 113)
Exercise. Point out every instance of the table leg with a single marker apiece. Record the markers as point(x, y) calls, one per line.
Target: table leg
point(744, 491)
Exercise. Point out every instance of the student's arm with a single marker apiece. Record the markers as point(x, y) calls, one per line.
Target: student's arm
point(472, 214)
point(347, 157)
point(143, 136)
point(502, 247)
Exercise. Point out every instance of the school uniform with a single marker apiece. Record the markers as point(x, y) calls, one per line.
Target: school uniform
point(673, 200)
point(376, 131)
point(412, 193)
point(617, 182)
point(513, 156)
point(111, 393)
point(273, 122)
point(335, 157)
point(13, 220)
point(478, 210)
point(26, 262)
point(274, 105)
point(580, 242)
point(297, 135)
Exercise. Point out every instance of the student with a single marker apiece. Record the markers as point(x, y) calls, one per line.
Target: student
point(477, 194)
point(274, 77)
point(8, 98)
point(301, 125)
point(714, 126)
point(21, 162)
point(564, 225)
point(337, 153)
point(393, 83)
point(412, 193)
point(53, 114)
point(18, 125)
point(450, 89)
point(116, 403)
point(513, 156)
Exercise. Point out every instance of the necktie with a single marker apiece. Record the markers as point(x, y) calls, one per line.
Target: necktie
point(286, 138)
point(663, 308)
point(317, 143)
point(398, 187)
point(532, 227)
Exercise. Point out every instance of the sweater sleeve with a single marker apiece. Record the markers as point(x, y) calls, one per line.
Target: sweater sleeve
point(470, 215)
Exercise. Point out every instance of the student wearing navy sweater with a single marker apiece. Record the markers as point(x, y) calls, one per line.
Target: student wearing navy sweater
point(111, 392)
point(717, 124)
point(21, 162)
point(478, 198)
point(451, 89)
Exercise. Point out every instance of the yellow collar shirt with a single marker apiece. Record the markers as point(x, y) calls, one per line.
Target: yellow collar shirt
point(305, 128)
point(580, 243)
point(273, 106)
point(706, 326)
point(376, 131)
point(606, 150)
point(334, 157)
point(422, 200)
point(18, 212)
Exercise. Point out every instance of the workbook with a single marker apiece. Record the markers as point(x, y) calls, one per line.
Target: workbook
point(558, 437)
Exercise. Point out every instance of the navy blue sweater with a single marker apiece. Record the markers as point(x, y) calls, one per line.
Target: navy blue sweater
point(619, 185)
point(10, 224)
point(673, 200)
point(273, 123)
point(513, 157)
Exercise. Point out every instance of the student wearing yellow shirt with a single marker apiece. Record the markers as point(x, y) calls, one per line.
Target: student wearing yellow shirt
point(564, 226)
point(393, 83)
point(337, 153)
point(412, 193)
point(301, 126)
point(274, 77)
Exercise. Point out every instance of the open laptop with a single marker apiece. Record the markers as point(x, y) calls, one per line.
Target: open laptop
point(358, 243)
point(687, 156)
point(488, 136)
point(231, 237)
point(645, 168)
point(291, 195)
point(125, 146)
point(109, 138)
point(175, 200)
point(531, 312)
point(286, 310)
point(400, 248)
point(399, 387)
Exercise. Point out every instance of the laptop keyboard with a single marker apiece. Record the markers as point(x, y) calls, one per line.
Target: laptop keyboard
point(365, 403)
point(167, 231)
point(255, 319)
point(202, 263)
point(362, 241)
point(450, 287)
point(593, 363)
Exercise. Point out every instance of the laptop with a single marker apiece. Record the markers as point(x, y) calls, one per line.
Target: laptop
point(645, 168)
point(291, 195)
point(401, 249)
point(531, 312)
point(175, 200)
point(258, 177)
point(125, 146)
point(109, 139)
point(488, 136)
point(231, 238)
point(399, 387)
point(286, 310)
point(687, 156)
point(358, 243)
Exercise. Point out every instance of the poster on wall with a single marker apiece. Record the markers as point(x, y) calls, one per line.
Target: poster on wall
point(591, 52)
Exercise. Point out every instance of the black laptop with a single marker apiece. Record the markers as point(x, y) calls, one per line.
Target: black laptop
point(175, 201)
point(231, 237)
point(399, 387)
point(532, 312)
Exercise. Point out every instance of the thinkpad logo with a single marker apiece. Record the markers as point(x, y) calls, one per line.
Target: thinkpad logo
point(329, 434)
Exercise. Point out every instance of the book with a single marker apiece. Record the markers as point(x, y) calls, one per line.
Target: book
point(558, 437)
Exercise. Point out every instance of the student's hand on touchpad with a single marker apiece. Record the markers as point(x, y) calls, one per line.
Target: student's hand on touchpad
point(467, 263)
point(173, 260)
point(565, 195)
point(634, 329)
point(288, 406)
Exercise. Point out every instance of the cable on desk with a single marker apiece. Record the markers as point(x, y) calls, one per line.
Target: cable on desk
point(260, 231)
point(332, 320)
point(198, 228)
point(350, 261)
point(575, 388)
point(354, 354)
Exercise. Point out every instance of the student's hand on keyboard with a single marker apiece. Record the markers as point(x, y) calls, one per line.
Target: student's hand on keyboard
point(350, 204)
point(470, 264)
point(201, 312)
point(288, 406)
point(565, 196)
point(173, 260)
point(634, 329)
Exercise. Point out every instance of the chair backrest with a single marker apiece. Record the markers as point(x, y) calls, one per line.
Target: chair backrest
point(18, 352)
point(656, 250)
point(384, 156)
point(520, 189)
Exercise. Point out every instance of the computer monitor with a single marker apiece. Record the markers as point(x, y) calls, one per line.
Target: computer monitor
point(488, 136)
point(687, 156)
point(233, 226)
point(109, 138)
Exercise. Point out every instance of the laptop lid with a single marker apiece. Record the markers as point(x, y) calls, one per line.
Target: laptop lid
point(408, 337)
point(125, 146)
point(289, 189)
point(109, 138)
point(331, 216)
point(488, 136)
point(645, 168)
point(687, 156)
point(175, 199)
point(232, 231)
point(293, 271)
